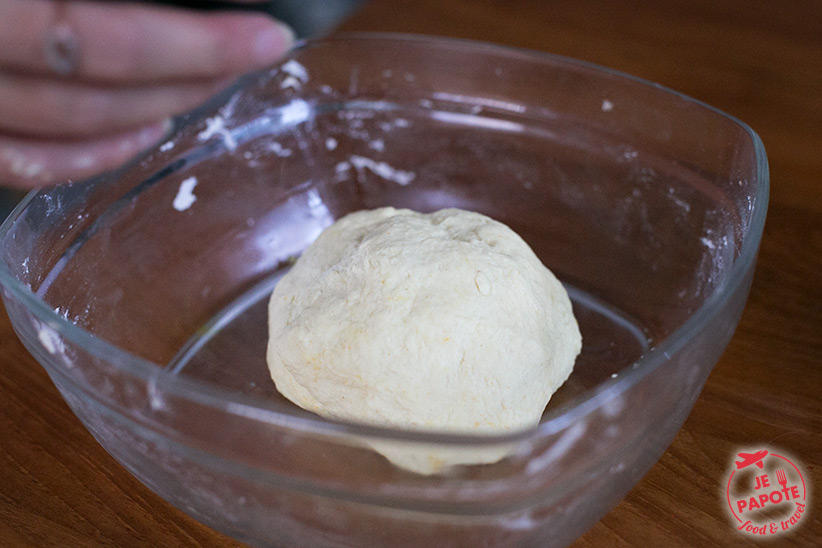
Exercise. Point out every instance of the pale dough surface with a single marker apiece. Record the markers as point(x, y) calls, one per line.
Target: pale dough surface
point(445, 321)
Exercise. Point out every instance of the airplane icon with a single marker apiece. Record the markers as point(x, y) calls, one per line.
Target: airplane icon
point(749, 459)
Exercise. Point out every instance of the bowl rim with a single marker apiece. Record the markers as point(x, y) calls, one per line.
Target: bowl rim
point(258, 408)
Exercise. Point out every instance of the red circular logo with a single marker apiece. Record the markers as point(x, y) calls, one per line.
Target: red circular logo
point(766, 493)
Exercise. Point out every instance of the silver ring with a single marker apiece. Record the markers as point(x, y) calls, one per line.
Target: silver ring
point(60, 44)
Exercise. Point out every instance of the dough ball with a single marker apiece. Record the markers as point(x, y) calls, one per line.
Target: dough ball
point(440, 322)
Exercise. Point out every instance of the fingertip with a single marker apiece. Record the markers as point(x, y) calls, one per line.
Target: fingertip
point(153, 133)
point(36, 163)
point(19, 169)
point(132, 142)
point(272, 42)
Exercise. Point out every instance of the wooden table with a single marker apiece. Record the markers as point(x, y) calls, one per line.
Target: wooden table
point(756, 59)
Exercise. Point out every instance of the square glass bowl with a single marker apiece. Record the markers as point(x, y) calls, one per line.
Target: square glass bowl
point(143, 292)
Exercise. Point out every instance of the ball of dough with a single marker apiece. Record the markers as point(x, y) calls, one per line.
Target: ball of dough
point(444, 322)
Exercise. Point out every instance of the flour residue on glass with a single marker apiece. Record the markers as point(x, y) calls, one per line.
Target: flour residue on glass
point(50, 340)
point(296, 75)
point(280, 150)
point(185, 195)
point(380, 169)
point(216, 126)
point(295, 112)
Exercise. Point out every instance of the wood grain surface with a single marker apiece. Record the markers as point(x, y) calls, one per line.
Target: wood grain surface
point(758, 60)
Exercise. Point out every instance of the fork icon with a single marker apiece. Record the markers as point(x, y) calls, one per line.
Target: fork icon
point(781, 478)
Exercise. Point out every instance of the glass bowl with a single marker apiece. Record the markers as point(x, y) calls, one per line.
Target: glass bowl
point(143, 292)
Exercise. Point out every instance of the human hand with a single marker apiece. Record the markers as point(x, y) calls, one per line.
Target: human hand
point(85, 85)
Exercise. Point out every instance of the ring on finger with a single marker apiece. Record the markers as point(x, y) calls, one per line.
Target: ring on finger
point(60, 45)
